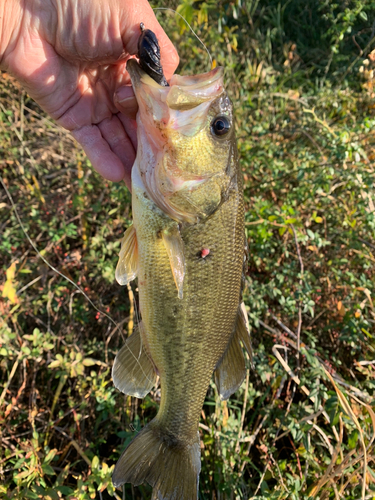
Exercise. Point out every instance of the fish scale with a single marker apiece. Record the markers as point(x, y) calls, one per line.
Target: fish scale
point(188, 237)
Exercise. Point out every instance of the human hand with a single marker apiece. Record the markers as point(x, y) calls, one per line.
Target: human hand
point(70, 56)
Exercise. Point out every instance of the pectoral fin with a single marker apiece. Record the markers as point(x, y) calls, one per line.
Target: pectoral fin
point(133, 372)
point(127, 266)
point(175, 249)
point(231, 371)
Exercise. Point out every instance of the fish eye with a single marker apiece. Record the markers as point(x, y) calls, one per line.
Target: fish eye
point(220, 126)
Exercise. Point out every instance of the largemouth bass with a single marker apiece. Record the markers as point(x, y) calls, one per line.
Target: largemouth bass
point(187, 247)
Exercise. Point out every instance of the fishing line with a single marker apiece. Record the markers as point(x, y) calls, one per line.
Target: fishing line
point(61, 274)
point(191, 29)
point(45, 261)
point(136, 312)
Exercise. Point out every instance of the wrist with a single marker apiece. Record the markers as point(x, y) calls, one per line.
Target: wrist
point(11, 15)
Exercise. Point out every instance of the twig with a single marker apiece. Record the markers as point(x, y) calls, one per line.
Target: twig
point(319, 120)
point(131, 312)
point(119, 325)
point(207, 429)
point(260, 482)
point(20, 391)
point(264, 221)
point(294, 377)
point(251, 439)
point(237, 448)
point(60, 386)
point(11, 375)
point(284, 327)
point(35, 280)
point(279, 472)
point(300, 300)
point(75, 444)
point(312, 140)
point(348, 410)
point(350, 67)
point(297, 457)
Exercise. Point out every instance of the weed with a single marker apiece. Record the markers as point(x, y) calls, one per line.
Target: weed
point(302, 424)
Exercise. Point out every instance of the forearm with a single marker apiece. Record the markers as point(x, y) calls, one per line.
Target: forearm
point(11, 18)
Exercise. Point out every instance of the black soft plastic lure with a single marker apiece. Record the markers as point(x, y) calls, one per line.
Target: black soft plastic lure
point(149, 56)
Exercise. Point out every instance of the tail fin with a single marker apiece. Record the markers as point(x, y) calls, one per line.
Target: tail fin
point(169, 466)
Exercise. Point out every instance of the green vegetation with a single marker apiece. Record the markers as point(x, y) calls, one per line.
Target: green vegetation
point(301, 76)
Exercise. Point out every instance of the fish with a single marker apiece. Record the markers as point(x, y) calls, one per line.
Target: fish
point(188, 249)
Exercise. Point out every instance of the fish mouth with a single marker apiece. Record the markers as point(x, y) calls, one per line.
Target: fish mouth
point(167, 117)
point(138, 76)
point(183, 92)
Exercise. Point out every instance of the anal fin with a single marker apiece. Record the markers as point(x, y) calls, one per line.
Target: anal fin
point(231, 371)
point(127, 266)
point(133, 372)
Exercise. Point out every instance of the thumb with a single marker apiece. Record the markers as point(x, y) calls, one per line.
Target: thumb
point(125, 101)
point(140, 11)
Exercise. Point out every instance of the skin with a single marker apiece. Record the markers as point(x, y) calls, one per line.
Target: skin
point(70, 56)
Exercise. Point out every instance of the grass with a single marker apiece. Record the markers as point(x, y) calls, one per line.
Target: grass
point(302, 425)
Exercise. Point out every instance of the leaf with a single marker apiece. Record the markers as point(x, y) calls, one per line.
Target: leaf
point(341, 309)
point(353, 439)
point(23, 474)
point(9, 290)
point(89, 361)
point(47, 469)
point(95, 462)
point(54, 364)
point(32, 495)
point(50, 456)
point(65, 490)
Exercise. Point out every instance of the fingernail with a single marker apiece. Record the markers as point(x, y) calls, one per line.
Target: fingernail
point(128, 102)
point(124, 93)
